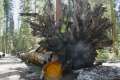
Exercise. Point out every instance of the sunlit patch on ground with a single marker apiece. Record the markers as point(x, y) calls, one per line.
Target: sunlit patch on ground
point(11, 68)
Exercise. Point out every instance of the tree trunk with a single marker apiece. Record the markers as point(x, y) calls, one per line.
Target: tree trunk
point(113, 17)
point(58, 14)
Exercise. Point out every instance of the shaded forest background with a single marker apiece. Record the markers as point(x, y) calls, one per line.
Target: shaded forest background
point(15, 33)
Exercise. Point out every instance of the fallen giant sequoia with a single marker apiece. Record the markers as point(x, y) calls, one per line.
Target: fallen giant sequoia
point(85, 33)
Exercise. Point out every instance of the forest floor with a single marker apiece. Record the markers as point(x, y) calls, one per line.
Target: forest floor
point(12, 68)
point(107, 71)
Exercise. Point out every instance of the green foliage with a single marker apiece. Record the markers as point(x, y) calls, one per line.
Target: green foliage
point(103, 54)
point(13, 41)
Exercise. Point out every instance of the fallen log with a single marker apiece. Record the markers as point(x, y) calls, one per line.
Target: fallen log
point(29, 14)
point(35, 57)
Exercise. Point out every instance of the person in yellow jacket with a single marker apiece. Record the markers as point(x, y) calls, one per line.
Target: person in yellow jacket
point(53, 70)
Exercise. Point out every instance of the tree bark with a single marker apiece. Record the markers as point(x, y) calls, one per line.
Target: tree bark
point(113, 18)
point(58, 14)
